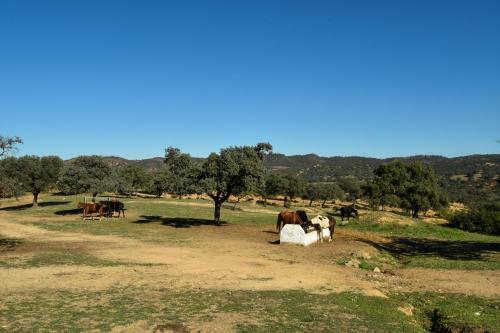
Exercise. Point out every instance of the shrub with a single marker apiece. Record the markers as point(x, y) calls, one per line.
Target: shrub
point(484, 219)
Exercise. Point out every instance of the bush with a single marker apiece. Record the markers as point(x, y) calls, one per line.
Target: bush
point(484, 219)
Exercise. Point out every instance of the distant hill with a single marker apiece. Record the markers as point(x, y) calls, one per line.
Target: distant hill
point(466, 178)
point(316, 168)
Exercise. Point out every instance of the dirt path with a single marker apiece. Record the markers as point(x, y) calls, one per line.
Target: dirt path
point(222, 267)
point(237, 258)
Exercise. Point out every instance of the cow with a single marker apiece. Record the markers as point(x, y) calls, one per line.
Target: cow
point(92, 208)
point(114, 206)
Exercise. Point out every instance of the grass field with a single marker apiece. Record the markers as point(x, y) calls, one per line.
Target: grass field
point(165, 267)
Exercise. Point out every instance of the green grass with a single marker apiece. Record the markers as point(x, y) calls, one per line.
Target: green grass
point(436, 262)
point(57, 258)
point(265, 311)
point(418, 229)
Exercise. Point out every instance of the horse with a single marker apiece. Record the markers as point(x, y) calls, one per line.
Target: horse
point(287, 217)
point(321, 222)
point(114, 206)
point(92, 208)
point(347, 211)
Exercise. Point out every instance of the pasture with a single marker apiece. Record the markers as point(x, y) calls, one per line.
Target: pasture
point(167, 268)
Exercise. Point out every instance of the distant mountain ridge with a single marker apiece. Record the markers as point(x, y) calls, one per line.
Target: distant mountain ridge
point(316, 168)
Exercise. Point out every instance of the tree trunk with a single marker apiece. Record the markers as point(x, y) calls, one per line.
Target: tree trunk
point(94, 195)
point(218, 204)
point(236, 203)
point(310, 203)
point(35, 198)
point(288, 202)
point(415, 213)
point(265, 202)
point(323, 204)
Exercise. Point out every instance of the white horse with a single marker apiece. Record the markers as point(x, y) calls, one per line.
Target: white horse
point(321, 222)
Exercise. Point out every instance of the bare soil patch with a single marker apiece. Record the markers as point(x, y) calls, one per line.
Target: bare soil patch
point(234, 257)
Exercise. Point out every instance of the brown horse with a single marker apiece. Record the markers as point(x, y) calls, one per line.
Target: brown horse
point(92, 208)
point(287, 217)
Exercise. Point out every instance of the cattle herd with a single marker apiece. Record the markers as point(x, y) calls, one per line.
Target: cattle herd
point(102, 209)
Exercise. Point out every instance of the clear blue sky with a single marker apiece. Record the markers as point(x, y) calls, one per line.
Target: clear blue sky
point(369, 78)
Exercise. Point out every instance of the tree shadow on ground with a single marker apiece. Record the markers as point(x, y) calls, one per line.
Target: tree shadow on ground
point(404, 248)
point(9, 243)
point(41, 204)
point(74, 211)
point(177, 222)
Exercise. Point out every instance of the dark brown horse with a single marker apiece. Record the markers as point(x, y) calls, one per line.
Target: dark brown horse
point(287, 217)
point(92, 208)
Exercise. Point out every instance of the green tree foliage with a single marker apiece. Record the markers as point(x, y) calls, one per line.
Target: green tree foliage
point(131, 178)
point(160, 181)
point(293, 187)
point(233, 170)
point(10, 185)
point(312, 192)
point(484, 218)
point(352, 188)
point(86, 174)
point(182, 172)
point(273, 185)
point(33, 174)
point(8, 144)
point(322, 191)
point(411, 186)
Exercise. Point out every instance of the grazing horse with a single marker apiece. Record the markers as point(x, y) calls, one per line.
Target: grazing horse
point(92, 208)
point(347, 212)
point(321, 222)
point(287, 217)
point(114, 206)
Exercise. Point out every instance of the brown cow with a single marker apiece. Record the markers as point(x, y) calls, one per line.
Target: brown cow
point(92, 208)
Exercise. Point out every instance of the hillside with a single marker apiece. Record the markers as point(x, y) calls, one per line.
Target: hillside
point(311, 167)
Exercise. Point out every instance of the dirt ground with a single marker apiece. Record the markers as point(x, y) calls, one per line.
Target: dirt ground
point(238, 257)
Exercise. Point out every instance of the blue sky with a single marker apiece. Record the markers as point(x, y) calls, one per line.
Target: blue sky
point(369, 78)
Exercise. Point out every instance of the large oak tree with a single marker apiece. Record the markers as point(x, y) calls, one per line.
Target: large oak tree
point(232, 171)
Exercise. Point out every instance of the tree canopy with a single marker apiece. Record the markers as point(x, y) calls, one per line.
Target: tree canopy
point(86, 174)
point(8, 144)
point(411, 186)
point(32, 173)
point(233, 170)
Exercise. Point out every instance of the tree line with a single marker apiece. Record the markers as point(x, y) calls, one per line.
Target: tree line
point(234, 171)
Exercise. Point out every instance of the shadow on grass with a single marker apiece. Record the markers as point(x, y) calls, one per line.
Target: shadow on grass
point(41, 204)
point(402, 248)
point(74, 211)
point(9, 243)
point(177, 222)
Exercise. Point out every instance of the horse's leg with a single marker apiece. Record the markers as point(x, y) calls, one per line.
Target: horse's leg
point(123, 213)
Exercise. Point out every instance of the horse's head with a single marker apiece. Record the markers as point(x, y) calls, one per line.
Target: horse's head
point(355, 211)
point(303, 216)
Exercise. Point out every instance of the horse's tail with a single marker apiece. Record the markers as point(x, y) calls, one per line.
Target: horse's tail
point(278, 223)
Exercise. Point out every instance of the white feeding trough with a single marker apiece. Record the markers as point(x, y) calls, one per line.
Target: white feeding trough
point(294, 234)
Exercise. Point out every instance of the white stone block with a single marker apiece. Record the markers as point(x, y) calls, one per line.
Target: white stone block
point(294, 234)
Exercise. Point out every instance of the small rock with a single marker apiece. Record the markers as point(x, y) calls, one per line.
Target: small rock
point(353, 263)
point(407, 310)
point(477, 313)
point(376, 270)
